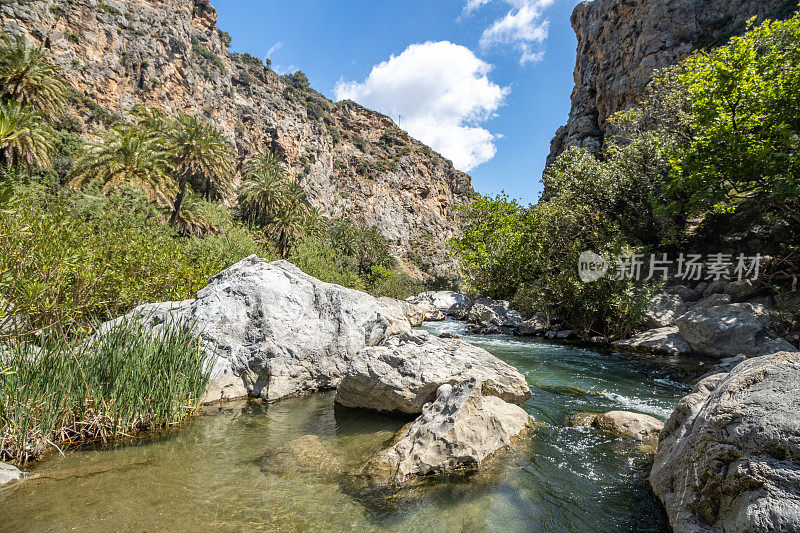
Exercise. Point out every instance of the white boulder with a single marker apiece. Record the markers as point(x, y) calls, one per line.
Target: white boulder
point(729, 455)
point(404, 373)
point(459, 430)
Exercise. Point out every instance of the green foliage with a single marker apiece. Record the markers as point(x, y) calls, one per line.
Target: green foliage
point(201, 50)
point(67, 261)
point(26, 78)
point(26, 138)
point(111, 10)
point(297, 80)
point(126, 380)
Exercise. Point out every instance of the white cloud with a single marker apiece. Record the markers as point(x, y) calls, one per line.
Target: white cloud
point(522, 27)
point(274, 48)
point(443, 93)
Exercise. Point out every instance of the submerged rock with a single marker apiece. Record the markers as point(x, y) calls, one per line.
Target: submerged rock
point(459, 430)
point(306, 454)
point(661, 341)
point(729, 456)
point(717, 327)
point(10, 474)
point(404, 373)
point(274, 330)
point(626, 424)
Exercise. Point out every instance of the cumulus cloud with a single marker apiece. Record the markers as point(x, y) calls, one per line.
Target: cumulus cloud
point(443, 94)
point(522, 27)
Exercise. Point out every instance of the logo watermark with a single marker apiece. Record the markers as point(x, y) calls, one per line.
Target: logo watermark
point(688, 267)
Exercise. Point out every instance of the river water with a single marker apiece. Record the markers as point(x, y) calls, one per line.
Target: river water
point(291, 465)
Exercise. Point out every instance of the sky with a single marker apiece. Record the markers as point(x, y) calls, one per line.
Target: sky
point(484, 82)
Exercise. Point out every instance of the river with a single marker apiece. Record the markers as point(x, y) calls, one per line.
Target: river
point(291, 465)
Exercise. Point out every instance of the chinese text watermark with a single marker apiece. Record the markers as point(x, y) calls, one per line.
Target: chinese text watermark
point(687, 267)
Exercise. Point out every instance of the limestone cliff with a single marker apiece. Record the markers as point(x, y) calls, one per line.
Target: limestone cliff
point(351, 161)
point(621, 43)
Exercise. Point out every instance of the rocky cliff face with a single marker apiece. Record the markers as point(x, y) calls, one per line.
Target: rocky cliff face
point(351, 161)
point(621, 43)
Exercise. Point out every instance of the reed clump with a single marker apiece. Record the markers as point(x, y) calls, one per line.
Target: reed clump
point(126, 380)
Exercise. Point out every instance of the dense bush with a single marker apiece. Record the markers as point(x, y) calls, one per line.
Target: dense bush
point(717, 133)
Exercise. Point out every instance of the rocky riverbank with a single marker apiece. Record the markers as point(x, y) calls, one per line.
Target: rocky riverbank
point(726, 457)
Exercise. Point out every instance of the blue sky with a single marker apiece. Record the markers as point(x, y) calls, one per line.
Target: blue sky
point(485, 82)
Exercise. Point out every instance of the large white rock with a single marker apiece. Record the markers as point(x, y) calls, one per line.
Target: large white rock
point(10, 474)
point(488, 312)
point(717, 327)
point(414, 312)
point(663, 309)
point(460, 429)
point(455, 304)
point(661, 341)
point(404, 373)
point(627, 424)
point(729, 456)
point(275, 330)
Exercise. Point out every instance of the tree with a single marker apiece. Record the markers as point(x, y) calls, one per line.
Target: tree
point(125, 154)
point(263, 191)
point(25, 77)
point(26, 138)
point(200, 156)
point(293, 220)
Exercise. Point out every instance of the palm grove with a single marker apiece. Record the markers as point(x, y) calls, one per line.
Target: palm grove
point(712, 150)
point(139, 212)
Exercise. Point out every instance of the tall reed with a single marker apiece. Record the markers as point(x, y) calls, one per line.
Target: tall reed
point(125, 380)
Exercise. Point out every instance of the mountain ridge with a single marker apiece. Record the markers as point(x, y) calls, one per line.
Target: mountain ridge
point(352, 162)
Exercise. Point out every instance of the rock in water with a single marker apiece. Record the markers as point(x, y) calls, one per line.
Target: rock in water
point(717, 327)
point(460, 429)
point(634, 425)
point(404, 373)
point(488, 312)
point(10, 474)
point(729, 456)
point(661, 341)
point(663, 309)
point(455, 304)
point(306, 454)
point(275, 330)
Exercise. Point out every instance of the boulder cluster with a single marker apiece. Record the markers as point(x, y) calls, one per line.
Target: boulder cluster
point(272, 331)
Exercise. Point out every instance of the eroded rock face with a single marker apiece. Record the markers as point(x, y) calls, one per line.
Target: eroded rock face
point(633, 425)
point(538, 324)
point(729, 456)
point(459, 430)
point(718, 327)
point(660, 341)
point(352, 162)
point(404, 373)
point(275, 330)
point(621, 43)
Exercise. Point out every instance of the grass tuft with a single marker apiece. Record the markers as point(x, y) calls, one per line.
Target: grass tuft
point(127, 380)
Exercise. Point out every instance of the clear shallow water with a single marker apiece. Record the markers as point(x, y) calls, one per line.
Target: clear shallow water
point(291, 465)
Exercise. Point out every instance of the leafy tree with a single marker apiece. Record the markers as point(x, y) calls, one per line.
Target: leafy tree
point(125, 155)
point(26, 138)
point(25, 77)
point(263, 190)
point(201, 156)
point(489, 245)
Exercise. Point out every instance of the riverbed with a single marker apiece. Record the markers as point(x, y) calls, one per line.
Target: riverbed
point(293, 465)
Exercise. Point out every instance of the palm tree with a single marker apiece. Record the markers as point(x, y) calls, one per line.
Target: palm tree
point(26, 138)
point(261, 195)
point(152, 120)
point(125, 154)
point(200, 156)
point(265, 162)
point(26, 78)
point(290, 223)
